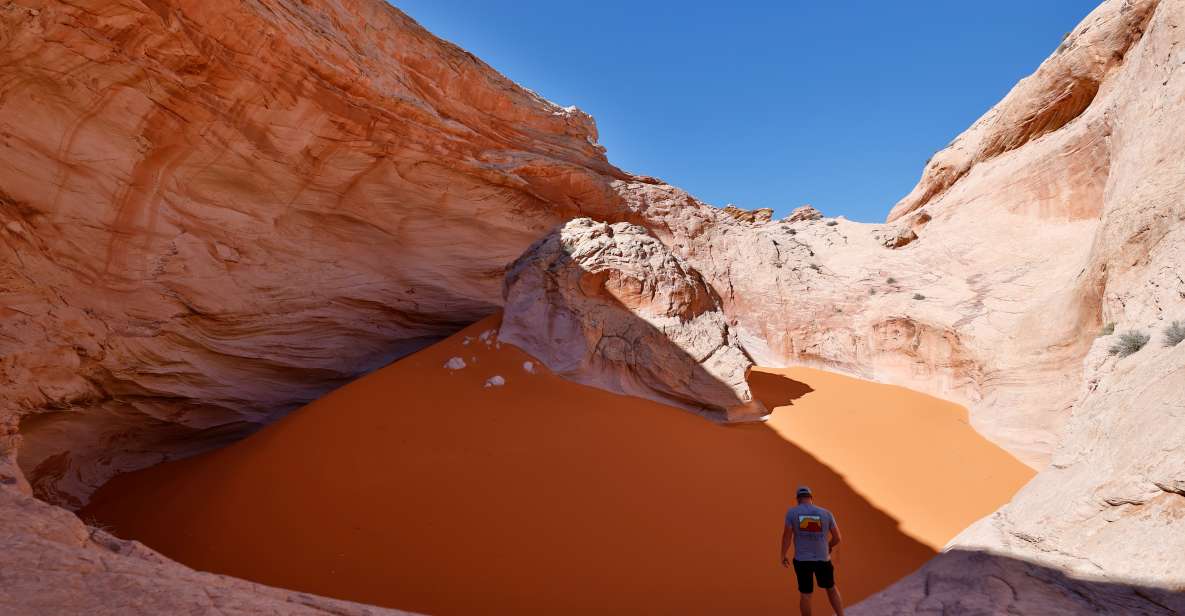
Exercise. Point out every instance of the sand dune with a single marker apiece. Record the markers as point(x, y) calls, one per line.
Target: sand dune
point(440, 490)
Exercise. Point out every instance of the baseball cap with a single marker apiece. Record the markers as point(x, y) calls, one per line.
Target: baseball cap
point(803, 491)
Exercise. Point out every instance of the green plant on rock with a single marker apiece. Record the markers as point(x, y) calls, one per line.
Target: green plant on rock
point(1129, 343)
point(1174, 333)
point(1107, 330)
point(919, 296)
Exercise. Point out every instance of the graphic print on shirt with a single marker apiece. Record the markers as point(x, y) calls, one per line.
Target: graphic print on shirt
point(810, 523)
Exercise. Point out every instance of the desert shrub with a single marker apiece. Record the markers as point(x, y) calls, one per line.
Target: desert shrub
point(832, 223)
point(1129, 342)
point(1107, 330)
point(919, 296)
point(1174, 333)
point(891, 280)
point(872, 291)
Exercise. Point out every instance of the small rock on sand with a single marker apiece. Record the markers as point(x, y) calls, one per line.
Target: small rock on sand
point(529, 367)
point(495, 381)
point(455, 363)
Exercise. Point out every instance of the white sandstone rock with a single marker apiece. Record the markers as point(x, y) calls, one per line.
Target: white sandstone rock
point(495, 381)
point(613, 307)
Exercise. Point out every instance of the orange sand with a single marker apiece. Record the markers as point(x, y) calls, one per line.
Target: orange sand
point(418, 488)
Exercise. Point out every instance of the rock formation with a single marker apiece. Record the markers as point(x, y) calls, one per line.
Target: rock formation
point(611, 306)
point(212, 212)
point(1098, 531)
point(804, 212)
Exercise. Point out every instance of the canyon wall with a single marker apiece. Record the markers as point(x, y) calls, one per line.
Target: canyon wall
point(1099, 529)
point(213, 212)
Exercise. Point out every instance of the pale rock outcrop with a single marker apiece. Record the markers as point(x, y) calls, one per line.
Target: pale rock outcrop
point(1099, 530)
point(611, 306)
point(804, 212)
point(1062, 89)
point(759, 215)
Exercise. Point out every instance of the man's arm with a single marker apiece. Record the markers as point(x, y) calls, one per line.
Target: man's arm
point(835, 536)
point(787, 541)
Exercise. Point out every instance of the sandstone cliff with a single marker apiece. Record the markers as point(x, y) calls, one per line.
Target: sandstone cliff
point(212, 212)
point(215, 211)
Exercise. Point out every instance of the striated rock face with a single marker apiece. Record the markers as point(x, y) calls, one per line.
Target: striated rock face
point(611, 306)
point(1063, 88)
point(212, 212)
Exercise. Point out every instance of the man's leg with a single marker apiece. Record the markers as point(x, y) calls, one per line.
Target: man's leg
point(826, 577)
point(836, 600)
point(804, 575)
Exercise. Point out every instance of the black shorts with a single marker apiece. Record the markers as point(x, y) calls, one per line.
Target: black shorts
point(808, 570)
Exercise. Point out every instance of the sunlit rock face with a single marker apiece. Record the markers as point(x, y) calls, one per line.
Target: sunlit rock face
point(1098, 530)
point(212, 212)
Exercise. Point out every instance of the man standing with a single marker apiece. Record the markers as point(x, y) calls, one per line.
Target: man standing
point(808, 527)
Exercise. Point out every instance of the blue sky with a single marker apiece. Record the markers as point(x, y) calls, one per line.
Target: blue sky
point(767, 104)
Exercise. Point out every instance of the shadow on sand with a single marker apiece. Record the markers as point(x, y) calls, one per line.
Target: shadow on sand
point(774, 390)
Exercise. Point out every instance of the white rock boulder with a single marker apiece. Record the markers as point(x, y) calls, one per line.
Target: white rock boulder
point(611, 306)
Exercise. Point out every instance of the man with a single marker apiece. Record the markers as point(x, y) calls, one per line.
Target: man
point(807, 527)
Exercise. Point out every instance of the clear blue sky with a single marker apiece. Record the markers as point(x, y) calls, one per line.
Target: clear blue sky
point(767, 104)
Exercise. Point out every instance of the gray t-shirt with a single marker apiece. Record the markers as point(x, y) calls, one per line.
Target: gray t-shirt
point(811, 525)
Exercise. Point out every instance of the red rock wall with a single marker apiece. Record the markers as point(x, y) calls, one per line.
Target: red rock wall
point(213, 211)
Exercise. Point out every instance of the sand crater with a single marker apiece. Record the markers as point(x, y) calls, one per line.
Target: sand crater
point(418, 487)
